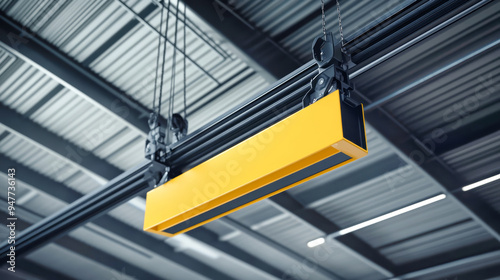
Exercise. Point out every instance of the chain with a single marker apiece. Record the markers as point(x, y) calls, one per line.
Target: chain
point(340, 27)
point(323, 19)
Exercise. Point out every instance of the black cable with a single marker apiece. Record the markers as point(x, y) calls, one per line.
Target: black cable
point(172, 76)
point(164, 55)
point(158, 55)
point(184, 62)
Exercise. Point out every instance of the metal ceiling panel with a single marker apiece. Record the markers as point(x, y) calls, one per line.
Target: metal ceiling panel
point(489, 193)
point(294, 234)
point(73, 265)
point(373, 198)
point(448, 229)
point(106, 39)
point(83, 29)
point(278, 20)
point(476, 160)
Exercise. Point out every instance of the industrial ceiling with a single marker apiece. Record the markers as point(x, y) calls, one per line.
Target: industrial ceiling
point(76, 92)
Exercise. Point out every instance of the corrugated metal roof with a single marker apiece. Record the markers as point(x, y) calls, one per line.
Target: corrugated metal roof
point(478, 159)
point(490, 193)
point(102, 36)
point(69, 263)
point(81, 29)
point(277, 18)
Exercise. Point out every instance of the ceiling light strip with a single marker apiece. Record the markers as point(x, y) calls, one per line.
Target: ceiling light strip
point(392, 214)
point(481, 183)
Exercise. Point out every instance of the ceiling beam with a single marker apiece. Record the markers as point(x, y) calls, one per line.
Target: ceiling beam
point(421, 159)
point(352, 244)
point(83, 249)
point(55, 143)
point(452, 256)
point(112, 225)
point(299, 259)
point(71, 74)
point(456, 267)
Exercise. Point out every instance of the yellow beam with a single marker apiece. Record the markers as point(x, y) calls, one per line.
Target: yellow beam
point(296, 149)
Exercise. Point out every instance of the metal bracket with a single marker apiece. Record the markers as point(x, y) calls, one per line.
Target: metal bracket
point(157, 147)
point(332, 75)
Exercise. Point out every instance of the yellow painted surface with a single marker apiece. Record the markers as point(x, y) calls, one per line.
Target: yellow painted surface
point(302, 139)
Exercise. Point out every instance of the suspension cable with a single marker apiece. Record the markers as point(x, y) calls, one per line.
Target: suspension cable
point(164, 57)
point(172, 75)
point(158, 55)
point(184, 63)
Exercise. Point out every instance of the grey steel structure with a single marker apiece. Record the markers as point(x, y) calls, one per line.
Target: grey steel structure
point(427, 73)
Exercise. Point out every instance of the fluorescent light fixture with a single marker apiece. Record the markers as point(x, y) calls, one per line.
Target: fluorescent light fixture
point(392, 214)
point(316, 242)
point(480, 183)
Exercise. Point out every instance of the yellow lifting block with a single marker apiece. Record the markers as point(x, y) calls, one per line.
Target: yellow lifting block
point(313, 141)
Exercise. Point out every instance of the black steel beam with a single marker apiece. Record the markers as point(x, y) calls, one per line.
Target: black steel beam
point(88, 207)
point(87, 251)
point(59, 145)
point(34, 50)
point(266, 55)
